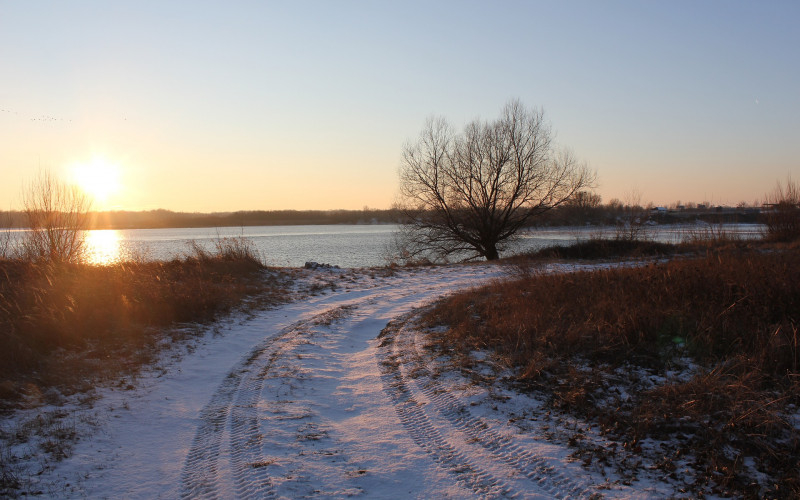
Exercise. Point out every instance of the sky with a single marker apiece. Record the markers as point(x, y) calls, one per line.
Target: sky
point(221, 106)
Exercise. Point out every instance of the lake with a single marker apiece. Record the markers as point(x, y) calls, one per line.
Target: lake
point(342, 245)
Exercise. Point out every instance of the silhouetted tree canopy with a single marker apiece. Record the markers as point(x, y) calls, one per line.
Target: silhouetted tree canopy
point(472, 191)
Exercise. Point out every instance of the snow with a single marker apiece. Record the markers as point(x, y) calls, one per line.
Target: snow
point(312, 399)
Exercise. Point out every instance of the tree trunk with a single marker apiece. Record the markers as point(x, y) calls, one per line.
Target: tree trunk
point(491, 252)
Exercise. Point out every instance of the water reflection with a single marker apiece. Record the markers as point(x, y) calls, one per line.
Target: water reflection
point(103, 247)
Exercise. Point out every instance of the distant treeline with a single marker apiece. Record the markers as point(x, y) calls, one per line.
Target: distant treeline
point(613, 213)
point(573, 214)
point(165, 218)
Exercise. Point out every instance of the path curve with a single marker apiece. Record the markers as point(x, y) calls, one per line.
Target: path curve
point(326, 407)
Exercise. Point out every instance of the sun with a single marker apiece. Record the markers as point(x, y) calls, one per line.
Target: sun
point(98, 178)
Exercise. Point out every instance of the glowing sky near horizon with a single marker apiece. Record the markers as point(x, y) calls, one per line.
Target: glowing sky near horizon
point(219, 106)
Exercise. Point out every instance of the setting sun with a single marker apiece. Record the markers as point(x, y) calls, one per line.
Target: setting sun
point(98, 178)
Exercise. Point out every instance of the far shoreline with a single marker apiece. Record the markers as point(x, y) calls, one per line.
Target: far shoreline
point(561, 216)
point(167, 219)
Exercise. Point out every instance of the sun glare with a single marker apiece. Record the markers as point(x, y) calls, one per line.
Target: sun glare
point(98, 178)
point(103, 247)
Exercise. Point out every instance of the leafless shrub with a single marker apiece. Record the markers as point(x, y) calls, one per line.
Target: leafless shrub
point(782, 214)
point(57, 216)
point(632, 223)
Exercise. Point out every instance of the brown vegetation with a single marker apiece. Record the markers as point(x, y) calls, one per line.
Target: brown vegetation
point(599, 248)
point(783, 217)
point(66, 325)
point(735, 313)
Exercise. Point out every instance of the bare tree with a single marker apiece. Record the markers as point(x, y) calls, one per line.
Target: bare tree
point(58, 215)
point(585, 200)
point(471, 192)
point(582, 208)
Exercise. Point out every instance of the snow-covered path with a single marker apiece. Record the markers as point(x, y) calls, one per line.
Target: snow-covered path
point(307, 413)
point(318, 398)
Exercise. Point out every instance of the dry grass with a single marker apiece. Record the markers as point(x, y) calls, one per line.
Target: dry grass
point(66, 325)
point(600, 248)
point(734, 313)
point(710, 236)
point(782, 219)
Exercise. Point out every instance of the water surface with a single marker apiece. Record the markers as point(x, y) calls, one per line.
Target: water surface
point(342, 245)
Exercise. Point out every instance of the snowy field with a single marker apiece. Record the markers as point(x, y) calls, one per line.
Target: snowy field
point(331, 396)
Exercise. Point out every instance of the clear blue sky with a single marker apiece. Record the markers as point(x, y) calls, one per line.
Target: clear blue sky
point(206, 106)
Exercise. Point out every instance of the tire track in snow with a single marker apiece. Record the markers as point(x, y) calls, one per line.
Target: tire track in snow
point(422, 430)
point(503, 448)
point(232, 413)
point(230, 423)
point(200, 472)
point(400, 353)
point(251, 479)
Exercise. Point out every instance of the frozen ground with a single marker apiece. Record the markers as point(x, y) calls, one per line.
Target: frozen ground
point(330, 396)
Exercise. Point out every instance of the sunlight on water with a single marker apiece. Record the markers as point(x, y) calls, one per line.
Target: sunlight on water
point(103, 247)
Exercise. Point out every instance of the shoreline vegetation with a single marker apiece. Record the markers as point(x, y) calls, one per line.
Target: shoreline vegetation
point(72, 326)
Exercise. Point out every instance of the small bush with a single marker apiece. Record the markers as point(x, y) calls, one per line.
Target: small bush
point(598, 248)
point(782, 216)
point(57, 215)
point(234, 250)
